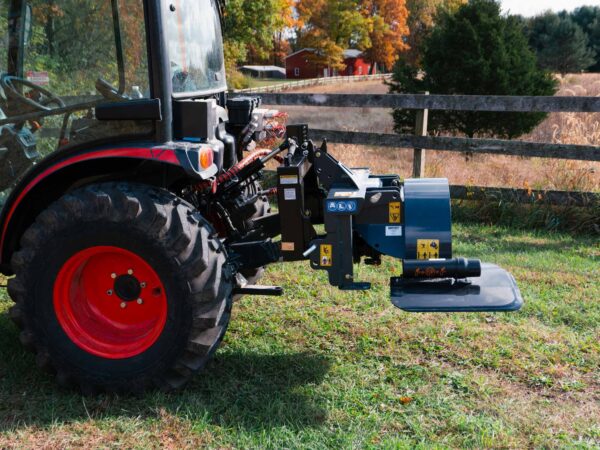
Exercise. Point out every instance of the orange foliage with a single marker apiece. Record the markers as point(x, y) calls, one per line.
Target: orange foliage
point(389, 29)
point(378, 27)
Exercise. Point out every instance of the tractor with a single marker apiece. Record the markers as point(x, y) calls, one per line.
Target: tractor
point(132, 210)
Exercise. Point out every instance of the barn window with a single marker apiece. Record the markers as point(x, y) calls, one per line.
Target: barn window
point(297, 71)
point(360, 70)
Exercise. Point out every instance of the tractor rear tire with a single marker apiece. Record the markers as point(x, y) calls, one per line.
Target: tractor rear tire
point(121, 288)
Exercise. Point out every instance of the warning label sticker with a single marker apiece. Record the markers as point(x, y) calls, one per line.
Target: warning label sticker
point(289, 194)
point(393, 231)
point(288, 179)
point(428, 249)
point(346, 194)
point(326, 255)
point(395, 214)
point(39, 78)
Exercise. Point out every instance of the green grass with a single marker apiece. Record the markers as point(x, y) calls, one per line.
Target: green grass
point(321, 368)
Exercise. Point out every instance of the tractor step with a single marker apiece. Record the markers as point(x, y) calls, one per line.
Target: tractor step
point(269, 291)
point(495, 290)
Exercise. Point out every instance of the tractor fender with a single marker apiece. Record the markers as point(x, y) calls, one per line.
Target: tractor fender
point(65, 170)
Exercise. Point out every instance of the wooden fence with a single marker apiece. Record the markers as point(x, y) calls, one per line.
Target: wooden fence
point(420, 141)
point(284, 86)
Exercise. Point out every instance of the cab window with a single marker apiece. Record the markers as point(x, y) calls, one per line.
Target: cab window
point(58, 60)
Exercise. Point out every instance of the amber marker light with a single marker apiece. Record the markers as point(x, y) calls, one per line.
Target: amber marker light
point(206, 158)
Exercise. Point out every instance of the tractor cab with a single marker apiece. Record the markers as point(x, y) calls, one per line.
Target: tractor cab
point(77, 74)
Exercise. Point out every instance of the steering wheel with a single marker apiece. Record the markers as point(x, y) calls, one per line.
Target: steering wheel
point(108, 91)
point(9, 84)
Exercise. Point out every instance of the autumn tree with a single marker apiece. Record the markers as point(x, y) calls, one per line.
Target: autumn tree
point(286, 22)
point(388, 29)
point(329, 27)
point(421, 20)
point(480, 52)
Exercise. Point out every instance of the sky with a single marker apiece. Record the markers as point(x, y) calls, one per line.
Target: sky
point(533, 7)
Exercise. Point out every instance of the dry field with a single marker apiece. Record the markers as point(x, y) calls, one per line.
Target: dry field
point(481, 170)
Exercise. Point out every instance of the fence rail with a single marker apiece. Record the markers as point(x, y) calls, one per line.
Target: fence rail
point(489, 103)
point(420, 141)
point(311, 82)
point(452, 144)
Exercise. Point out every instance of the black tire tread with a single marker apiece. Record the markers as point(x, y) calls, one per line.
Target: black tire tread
point(159, 214)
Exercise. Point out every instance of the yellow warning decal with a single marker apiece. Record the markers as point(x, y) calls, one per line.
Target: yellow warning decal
point(326, 255)
point(395, 214)
point(428, 249)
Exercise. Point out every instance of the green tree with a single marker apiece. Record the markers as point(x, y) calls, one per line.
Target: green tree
point(588, 18)
point(249, 28)
point(561, 45)
point(253, 33)
point(475, 51)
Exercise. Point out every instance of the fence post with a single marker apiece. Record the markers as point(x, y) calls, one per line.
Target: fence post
point(419, 154)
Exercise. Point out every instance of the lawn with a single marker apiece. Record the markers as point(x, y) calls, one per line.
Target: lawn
point(320, 368)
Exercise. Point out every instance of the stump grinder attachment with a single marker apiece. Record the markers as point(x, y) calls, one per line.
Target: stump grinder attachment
point(367, 216)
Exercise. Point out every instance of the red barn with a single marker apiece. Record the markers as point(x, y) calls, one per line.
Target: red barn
point(356, 64)
point(298, 65)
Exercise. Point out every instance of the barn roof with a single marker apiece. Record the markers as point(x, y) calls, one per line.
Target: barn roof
point(348, 53)
point(264, 68)
point(300, 51)
point(352, 53)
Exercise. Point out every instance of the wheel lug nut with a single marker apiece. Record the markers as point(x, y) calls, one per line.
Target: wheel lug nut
point(123, 305)
point(109, 292)
point(130, 272)
point(143, 285)
point(113, 276)
point(140, 301)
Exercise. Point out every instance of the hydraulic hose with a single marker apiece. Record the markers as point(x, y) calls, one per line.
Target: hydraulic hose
point(264, 154)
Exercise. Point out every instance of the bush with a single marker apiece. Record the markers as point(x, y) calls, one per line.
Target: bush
point(529, 216)
point(475, 51)
point(237, 80)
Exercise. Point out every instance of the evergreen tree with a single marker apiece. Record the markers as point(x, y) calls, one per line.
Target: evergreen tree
point(475, 51)
point(561, 45)
point(588, 18)
point(421, 20)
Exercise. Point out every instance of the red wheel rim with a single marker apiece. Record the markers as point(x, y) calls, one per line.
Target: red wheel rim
point(95, 302)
